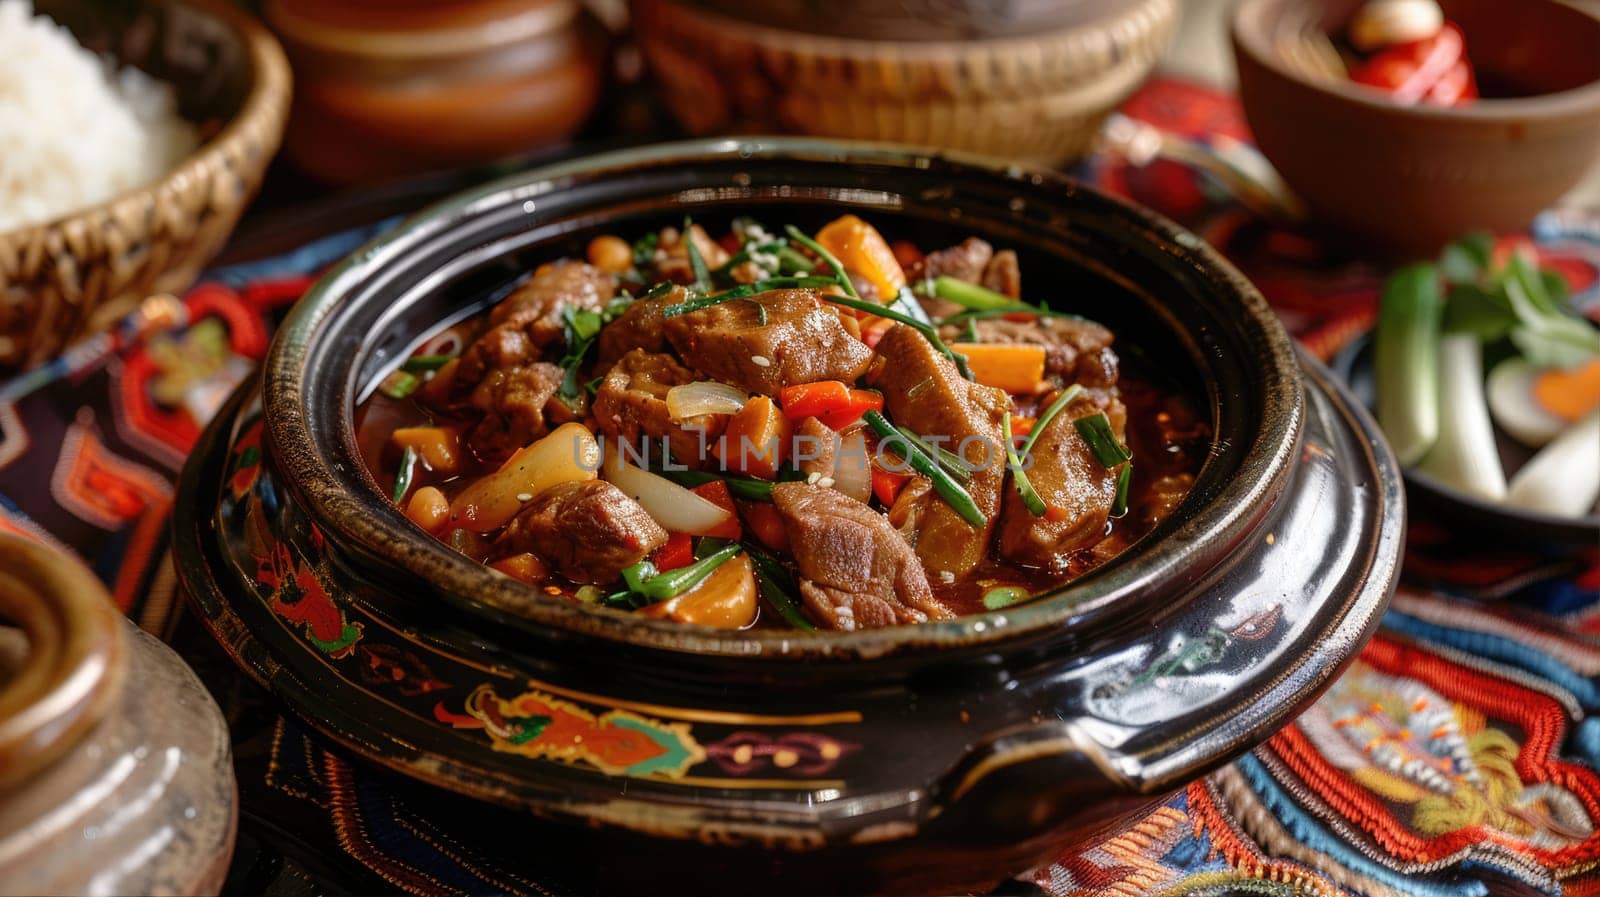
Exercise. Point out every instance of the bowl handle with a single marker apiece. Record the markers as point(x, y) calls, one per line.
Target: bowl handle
point(1016, 780)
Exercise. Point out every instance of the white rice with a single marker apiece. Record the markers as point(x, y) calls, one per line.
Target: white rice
point(74, 129)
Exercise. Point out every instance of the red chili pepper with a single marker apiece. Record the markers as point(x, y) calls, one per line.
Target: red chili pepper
point(886, 485)
point(717, 493)
point(829, 401)
point(1407, 72)
point(678, 552)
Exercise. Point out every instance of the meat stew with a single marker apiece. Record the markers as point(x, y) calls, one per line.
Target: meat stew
point(782, 430)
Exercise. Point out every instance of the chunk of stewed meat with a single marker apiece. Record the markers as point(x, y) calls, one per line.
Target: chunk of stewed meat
point(771, 340)
point(504, 373)
point(640, 327)
point(856, 572)
point(924, 393)
point(519, 404)
point(588, 531)
point(1076, 350)
point(631, 406)
point(1077, 491)
point(554, 286)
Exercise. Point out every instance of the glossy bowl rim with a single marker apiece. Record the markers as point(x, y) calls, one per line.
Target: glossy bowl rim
point(1249, 39)
point(1263, 471)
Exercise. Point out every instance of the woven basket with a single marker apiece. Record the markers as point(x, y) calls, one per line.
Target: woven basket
point(78, 274)
point(1037, 98)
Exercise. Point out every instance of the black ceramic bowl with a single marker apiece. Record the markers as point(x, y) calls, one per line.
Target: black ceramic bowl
point(919, 758)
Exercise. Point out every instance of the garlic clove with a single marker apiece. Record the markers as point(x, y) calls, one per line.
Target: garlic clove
point(1383, 23)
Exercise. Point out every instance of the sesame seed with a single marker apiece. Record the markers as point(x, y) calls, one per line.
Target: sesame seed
point(946, 576)
point(825, 482)
point(761, 361)
point(813, 477)
point(524, 496)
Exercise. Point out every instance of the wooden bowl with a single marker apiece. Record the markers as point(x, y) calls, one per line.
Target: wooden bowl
point(1408, 179)
point(82, 272)
point(116, 771)
point(1033, 88)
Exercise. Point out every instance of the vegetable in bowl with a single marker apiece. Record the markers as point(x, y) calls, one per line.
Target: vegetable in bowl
point(1483, 308)
point(781, 429)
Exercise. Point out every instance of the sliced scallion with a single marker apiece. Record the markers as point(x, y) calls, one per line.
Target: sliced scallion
point(741, 487)
point(948, 489)
point(828, 258)
point(402, 477)
point(1066, 398)
point(1030, 497)
point(928, 333)
point(777, 587)
point(745, 291)
point(416, 364)
point(1406, 361)
point(1119, 505)
point(1096, 430)
point(969, 295)
point(1005, 596)
point(399, 385)
point(697, 262)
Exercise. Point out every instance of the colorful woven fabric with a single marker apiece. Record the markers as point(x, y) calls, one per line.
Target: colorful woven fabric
point(1454, 758)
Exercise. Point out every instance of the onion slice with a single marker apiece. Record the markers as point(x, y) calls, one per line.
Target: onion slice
point(674, 507)
point(852, 468)
point(704, 397)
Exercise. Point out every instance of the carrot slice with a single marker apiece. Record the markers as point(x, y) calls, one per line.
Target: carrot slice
point(860, 248)
point(1013, 367)
point(766, 523)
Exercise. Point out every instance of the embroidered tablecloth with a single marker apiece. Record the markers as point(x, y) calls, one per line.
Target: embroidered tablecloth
point(1455, 757)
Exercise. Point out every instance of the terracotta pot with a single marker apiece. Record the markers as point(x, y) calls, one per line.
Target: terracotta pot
point(915, 758)
point(1034, 89)
point(1408, 179)
point(116, 774)
point(383, 90)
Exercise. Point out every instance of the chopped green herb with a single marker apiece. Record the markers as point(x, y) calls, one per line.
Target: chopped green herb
point(741, 487)
point(1030, 498)
point(1096, 430)
point(778, 588)
point(1119, 505)
point(402, 477)
point(984, 314)
point(799, 236)
point(927, 331)
point(792, 262)
point(953, 463)
point(399, 385)
point(1005, 596)
point(1066, 398)
point(969, 295)
point(697, 262)
point(745, 291)
point(644, 250)
point(949, 490)
point(416, 364)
